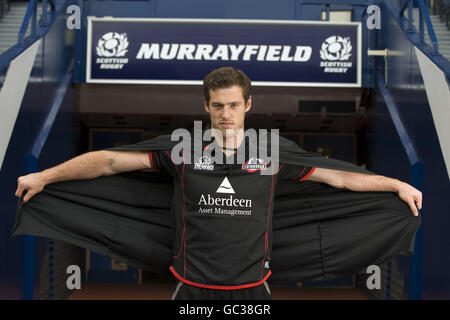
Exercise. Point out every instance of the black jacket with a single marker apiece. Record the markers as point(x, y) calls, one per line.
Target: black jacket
point(319, 232)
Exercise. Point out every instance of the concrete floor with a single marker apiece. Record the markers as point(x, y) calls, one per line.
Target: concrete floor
point(160, 291)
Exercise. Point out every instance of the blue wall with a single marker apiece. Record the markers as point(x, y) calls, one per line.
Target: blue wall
point(52, 61)
point(388, 157)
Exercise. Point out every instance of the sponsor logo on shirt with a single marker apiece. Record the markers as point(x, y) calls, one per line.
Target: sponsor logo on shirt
point(204, 163)
point(225, 187)
point(208, 204)
point(254, 164)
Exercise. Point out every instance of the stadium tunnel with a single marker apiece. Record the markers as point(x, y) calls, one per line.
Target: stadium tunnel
point(389, 118)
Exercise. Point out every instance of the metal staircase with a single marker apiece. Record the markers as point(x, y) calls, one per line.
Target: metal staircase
point(11, 22)
point(440, 28)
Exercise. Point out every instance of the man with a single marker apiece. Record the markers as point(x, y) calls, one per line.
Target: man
point(223, 213)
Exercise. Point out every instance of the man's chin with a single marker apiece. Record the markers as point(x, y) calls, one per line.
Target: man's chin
point(227, 133)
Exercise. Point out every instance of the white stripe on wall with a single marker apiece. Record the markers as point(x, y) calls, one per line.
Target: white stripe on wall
point(438, 95)
point(12, 92)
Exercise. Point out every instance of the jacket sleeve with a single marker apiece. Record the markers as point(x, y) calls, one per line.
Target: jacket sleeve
point(295, 172)
point(161, 160)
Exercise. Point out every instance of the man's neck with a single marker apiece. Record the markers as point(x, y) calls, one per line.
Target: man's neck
point(229, 144)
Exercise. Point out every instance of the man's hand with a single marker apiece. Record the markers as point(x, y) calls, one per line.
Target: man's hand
point(32, 184)
point(369, 182)
point(411, 196)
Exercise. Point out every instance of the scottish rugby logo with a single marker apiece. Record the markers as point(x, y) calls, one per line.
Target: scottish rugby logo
point(335, 53)
point(336, 48)
point(111, 46)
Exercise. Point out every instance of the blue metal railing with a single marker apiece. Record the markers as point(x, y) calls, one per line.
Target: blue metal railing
point(31, 165)
point(31, 13)
point(397, 10)
point(416, 169)
point(424, 19)
point(38, 29)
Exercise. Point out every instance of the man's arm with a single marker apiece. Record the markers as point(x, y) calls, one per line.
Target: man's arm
point(86, 166)
point(369, 182)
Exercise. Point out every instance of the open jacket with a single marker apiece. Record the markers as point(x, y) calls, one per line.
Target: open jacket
point(320, 232)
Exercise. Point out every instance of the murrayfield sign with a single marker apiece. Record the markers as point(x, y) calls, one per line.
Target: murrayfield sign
point(184, 51)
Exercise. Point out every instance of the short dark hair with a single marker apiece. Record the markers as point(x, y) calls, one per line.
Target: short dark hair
point(226, 77)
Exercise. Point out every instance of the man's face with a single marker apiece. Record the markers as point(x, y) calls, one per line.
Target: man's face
point(227, 109)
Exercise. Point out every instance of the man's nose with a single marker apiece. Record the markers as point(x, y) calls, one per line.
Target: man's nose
point(226, 114)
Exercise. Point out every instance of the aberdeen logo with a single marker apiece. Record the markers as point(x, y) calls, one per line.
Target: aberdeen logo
point(254, 164)
point(204, 163)
point(111, 47)
point(225, 187)
point(213, 205)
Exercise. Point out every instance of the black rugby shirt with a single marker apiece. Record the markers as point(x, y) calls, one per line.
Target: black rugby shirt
point(222, 219)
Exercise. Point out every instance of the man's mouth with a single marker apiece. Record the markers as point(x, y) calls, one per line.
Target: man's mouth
point(226, 124)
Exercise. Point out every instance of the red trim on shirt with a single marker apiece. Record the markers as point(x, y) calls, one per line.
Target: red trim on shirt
point(183, 236)
point(150, 156)
point(308, 174)
point(266, 242)
point(209, 286)
point(303, 170)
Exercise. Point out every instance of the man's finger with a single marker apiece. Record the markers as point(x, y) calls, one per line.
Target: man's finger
point(413, 207)
point(27, 196)
point(419, 201)
point(19, 190)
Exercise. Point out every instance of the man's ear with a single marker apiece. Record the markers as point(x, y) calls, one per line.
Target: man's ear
point(205, 105)
point(249, 104)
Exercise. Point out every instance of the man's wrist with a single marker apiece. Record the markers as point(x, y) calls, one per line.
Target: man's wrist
point(44, 177)
point(395, 185)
